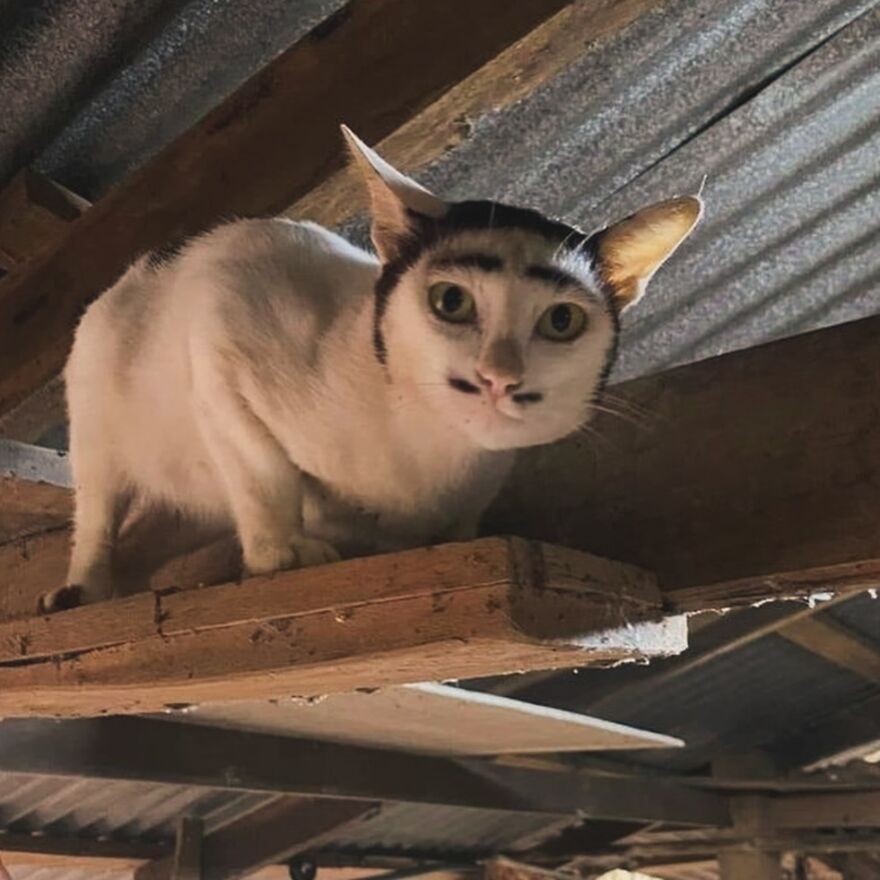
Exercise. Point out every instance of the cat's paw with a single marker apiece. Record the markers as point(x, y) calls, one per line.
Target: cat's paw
point(69, 596)
point(311, 551)
point(299, 552)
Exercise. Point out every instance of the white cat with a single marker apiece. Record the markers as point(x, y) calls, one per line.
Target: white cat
point(331, 403)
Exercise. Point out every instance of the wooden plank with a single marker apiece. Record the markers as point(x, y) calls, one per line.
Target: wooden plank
point(127, 748)
point(34, 215)
point(758, 462)
point(432, 718)
point(281, 828)
point(459, 610)
point(836, 643)
point(374, 64)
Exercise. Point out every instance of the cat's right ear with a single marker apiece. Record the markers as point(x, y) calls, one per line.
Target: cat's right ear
point(394, 198)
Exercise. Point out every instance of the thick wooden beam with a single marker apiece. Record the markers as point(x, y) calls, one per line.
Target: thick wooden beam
point(748, 466)
point(34, 215)
point(162, 751)
point(452, 611)
point(374, 65)
point(271, 833)
point(855, 809)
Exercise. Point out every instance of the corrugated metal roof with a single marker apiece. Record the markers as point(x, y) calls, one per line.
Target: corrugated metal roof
point(735, 702)
point(112, 809)
point(777, 104)
point(93, 88)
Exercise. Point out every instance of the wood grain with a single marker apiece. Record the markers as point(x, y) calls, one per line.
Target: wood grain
point(453, 611)
point(748, 465)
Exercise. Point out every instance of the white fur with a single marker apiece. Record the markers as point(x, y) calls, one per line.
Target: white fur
point(238, 383)
point(217, 382)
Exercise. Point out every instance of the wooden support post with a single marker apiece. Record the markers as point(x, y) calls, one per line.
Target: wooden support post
point(269, 834)
point(751, 819)
point(186, 863)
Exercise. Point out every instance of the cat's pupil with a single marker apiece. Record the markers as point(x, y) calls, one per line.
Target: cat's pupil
point(453, 299)
point(560, 318)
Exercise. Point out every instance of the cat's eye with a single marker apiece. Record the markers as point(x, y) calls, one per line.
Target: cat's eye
point(562, 322)
point(452, 303)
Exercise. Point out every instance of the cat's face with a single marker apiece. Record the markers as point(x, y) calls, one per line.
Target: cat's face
point(504, 322)
point(503, 334)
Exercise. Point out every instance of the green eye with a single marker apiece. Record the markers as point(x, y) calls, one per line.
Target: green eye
point(452, 303)
point(562, 323)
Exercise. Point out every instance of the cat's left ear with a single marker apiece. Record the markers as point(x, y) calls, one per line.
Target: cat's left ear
point(628, 253)
point(394, 198)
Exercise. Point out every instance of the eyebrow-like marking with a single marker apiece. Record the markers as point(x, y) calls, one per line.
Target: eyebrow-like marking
point(552, 275)
point(483, 262)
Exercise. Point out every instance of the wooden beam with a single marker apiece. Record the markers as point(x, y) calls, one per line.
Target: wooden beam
point(271, 833)
point(759, 465)
point(838, 644)
point(459, 611)
point(35, 213)
point(76, 852)
point(856, 809)
point(374, 64)
point(161, 751)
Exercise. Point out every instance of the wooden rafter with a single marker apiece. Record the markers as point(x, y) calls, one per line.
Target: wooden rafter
point(164, 752)
point(374, 64)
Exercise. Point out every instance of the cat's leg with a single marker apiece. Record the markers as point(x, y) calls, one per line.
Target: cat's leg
point(264, 489)
point(100, 506)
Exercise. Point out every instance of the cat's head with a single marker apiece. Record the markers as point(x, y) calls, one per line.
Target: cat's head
point(504, 321)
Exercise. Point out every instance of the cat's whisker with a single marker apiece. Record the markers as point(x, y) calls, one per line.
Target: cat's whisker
point(629, 418)
point(636, 409)
point(590, 433)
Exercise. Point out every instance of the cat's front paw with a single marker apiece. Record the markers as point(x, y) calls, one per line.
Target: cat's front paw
point(299, 552)
point(68, 596)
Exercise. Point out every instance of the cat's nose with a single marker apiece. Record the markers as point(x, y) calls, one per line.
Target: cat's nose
point(500, 368)
point(497, 383)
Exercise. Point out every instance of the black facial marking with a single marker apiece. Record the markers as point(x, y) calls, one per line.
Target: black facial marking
point(463, 385)
point(557, 277)
point(483, 262)
point(426, 232)
point(528, 397)
point(165, 254)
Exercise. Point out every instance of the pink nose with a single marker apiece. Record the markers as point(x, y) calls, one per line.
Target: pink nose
point(498, 384)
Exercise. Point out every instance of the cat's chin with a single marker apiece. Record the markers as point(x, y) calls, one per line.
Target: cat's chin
point(511, 434)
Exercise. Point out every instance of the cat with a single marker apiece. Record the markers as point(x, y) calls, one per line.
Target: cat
point(329, 402)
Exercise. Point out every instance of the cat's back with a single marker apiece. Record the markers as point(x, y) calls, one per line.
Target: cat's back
point(245, 278)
